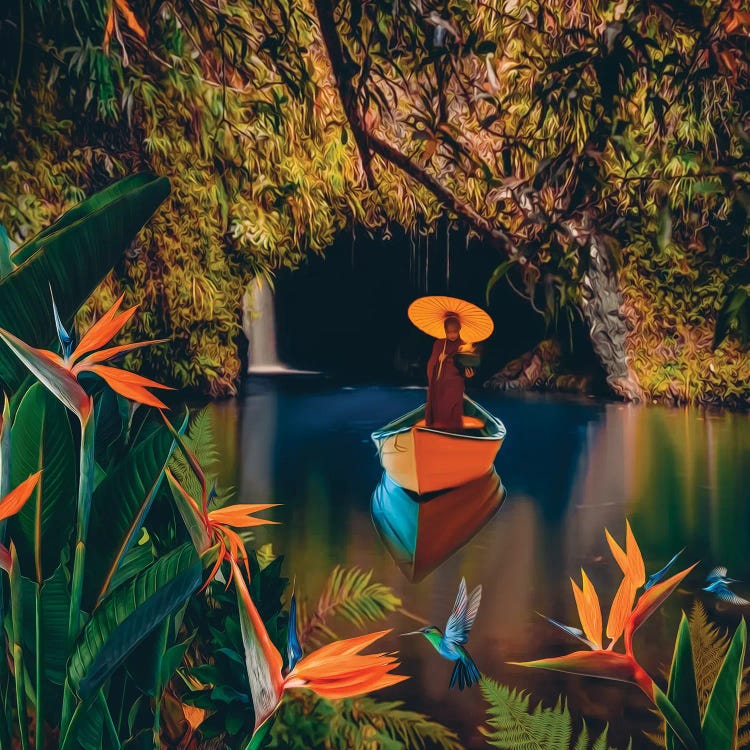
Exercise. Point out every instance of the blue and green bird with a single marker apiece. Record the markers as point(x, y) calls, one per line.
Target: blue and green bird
point(451, 645)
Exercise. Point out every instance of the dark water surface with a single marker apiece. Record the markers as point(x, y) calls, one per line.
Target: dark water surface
point(571, 468)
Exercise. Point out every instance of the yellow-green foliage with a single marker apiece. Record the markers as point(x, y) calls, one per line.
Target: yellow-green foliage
point(512, 724)
point(261, 174)
point(552, 120)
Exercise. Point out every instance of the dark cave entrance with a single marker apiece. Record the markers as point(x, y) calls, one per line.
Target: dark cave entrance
point(345, 313)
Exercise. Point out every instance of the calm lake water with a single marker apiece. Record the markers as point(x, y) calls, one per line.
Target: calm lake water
point(571, 468)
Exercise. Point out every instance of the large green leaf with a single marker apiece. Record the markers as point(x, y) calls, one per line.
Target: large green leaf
point(119, 506)
point(55, 602)
point(86, 207)
point(41, 438)
point(720, 719)
point(74, 255)
point(682, 690)
point(129, 614)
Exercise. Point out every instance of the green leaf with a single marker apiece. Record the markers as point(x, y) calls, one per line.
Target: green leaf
point(73, 255)
point(135, 560)
point(119, 507)
point(55, 602)
point(174, 657)
point(682, 690)
point(129, 614)
point(41, 438)
point(497, 275)
point(720, 720)
point(6, 265)
point(512, 723)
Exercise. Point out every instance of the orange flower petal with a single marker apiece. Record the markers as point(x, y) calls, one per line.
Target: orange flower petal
point(636, 566)
point(104, 354)
point(108, 30)
point(16, 499)
point(103, 331)
point(649, 602)
point(239, 515)
point(622, 605)
point(130, 385)
point(617, 552)
point(338, 670)
point(589, 610)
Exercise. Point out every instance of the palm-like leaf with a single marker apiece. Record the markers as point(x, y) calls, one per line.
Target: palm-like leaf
point(351, 594)
point(73, 255)
point(41, 438)
point(119, 507)
point(129, 614)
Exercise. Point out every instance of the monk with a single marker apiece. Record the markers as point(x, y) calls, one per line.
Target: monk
point(445, 389)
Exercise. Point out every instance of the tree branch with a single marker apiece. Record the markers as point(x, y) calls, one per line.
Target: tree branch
point(368, 143)
point(343, 75)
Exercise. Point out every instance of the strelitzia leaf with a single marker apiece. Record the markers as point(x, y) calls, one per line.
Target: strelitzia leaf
point(129, 614)
point(720, 719)
point(682, 691)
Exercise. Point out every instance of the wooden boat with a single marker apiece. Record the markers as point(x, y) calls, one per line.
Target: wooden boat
point(422, 531)
point(423, 459)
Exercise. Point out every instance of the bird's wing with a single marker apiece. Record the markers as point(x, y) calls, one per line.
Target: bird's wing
point(293, 649)
point(727, 595)
point(717, 573)
point(463, 615)
point(656, 577)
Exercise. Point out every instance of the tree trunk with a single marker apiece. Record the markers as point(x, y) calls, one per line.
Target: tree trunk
point(602, 309)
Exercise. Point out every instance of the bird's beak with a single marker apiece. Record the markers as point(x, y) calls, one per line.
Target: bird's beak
point(413, 632)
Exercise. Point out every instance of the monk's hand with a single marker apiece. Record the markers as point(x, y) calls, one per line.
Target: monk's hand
point(441, 358)
point(469, 372)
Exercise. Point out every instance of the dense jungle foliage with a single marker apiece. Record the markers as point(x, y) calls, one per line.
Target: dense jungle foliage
point(601, 147)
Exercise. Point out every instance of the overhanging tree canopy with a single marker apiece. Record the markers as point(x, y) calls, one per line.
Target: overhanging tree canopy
point(603, 150)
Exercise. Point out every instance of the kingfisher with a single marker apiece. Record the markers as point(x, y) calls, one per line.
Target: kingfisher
point(718, 585)
point(451, 644)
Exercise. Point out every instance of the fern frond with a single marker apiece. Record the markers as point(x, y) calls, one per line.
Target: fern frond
point(513, 725)
point(416, 731)
point(306, 721)
point(201, 439)
point(348, 593)
point(709, 648)
point(743, 726)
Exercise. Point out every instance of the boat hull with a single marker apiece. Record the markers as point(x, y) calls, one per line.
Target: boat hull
point(423, 459)
point(422, 531)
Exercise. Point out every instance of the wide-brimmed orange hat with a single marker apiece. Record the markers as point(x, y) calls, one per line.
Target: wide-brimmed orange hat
point(429, 314)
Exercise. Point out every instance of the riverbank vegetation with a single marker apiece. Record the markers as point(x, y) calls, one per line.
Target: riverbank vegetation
point(601, 150)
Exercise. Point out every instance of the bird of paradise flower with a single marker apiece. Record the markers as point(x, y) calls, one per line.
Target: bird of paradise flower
point(625, 617)
point(214, 530)
point(337, 670)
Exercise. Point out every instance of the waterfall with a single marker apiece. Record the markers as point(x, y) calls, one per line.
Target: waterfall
point(259, 323)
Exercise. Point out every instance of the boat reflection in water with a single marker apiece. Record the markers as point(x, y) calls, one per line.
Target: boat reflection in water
point(422, 531)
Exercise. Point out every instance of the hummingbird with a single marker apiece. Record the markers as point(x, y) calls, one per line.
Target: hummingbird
point(718, 585)
point(451, 644)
